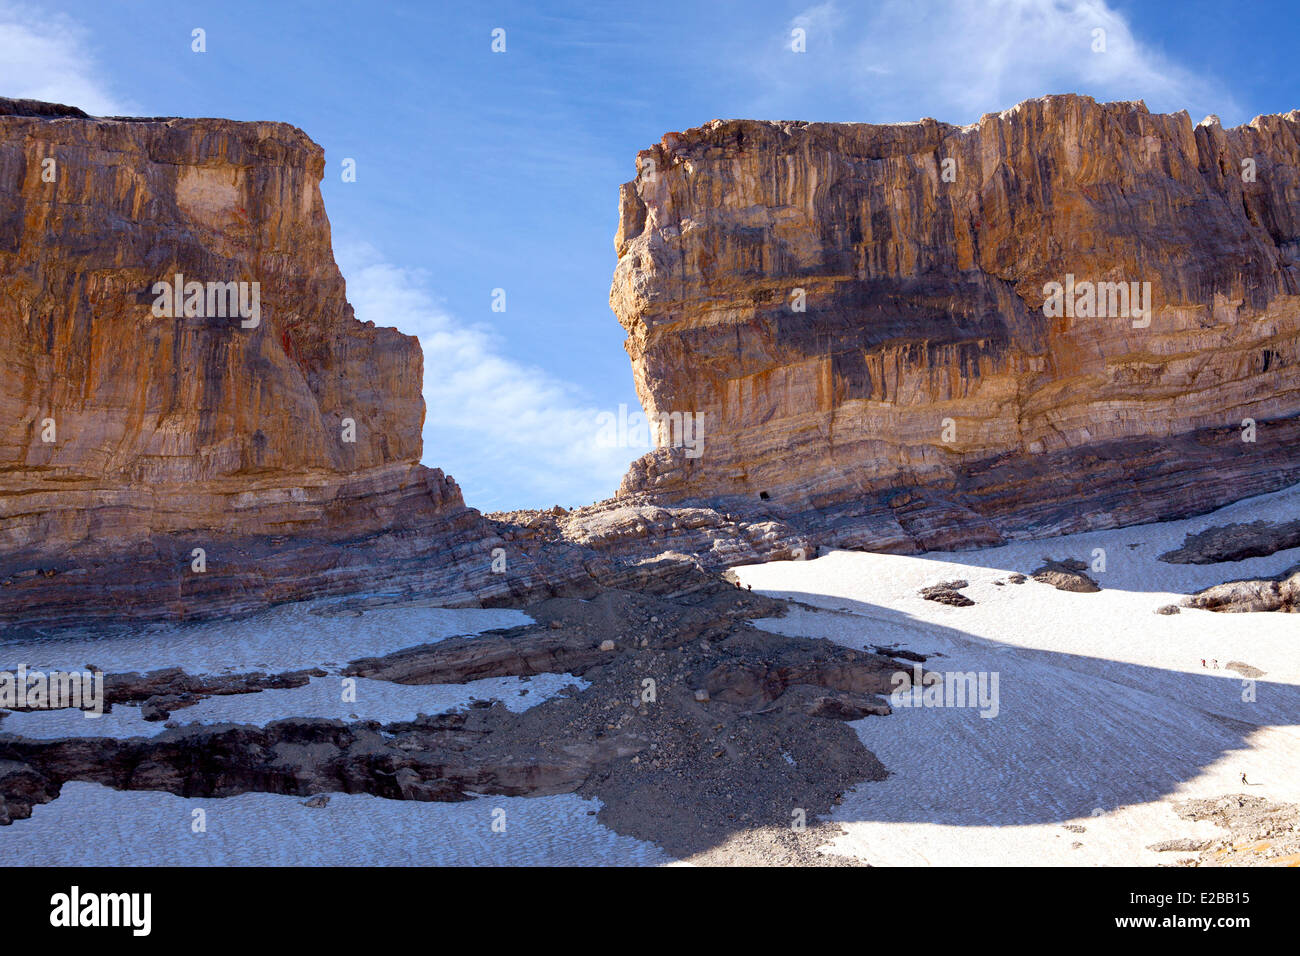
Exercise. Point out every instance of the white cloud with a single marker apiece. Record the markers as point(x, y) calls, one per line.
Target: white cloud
point(824, 19)
point(46, 56)
point(957, 59)
point(512, 435)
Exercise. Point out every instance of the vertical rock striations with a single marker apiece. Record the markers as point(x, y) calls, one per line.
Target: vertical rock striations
point(922, 398)
point(862, 317)
point(268, 437)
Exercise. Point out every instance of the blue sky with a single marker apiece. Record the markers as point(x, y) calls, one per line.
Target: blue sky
point(479, 170)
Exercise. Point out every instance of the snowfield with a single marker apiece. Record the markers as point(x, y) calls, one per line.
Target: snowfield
point(136, 828)
point(141, 828)
point(1105, 715)
point(292, 637)
point(286, 638)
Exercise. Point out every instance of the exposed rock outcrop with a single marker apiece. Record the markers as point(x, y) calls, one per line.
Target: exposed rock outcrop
point(918, 397)
point(1280, 593)
point(858, 313)
point(197, 421)
point(1067, 575)
point(948, 592)
point(669, 764)
point(134, 430)
point(1236, 542)
point(1259, 832)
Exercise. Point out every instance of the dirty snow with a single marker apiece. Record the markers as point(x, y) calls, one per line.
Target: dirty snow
point(1106, 714)
point(1106, 717)
point(378, 700)
point(289, 637)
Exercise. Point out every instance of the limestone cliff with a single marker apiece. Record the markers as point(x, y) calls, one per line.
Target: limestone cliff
point(129, 437)
point(865, 318)
point(191, 400)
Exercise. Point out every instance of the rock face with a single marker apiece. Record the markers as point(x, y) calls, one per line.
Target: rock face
point(129, 437)
point(863, 317)
point(854, 314)
point(192, 402)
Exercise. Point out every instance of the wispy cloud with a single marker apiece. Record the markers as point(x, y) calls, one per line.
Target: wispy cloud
point(958, 59)
point(824, 19)
point(511, 434)
point(46, 56)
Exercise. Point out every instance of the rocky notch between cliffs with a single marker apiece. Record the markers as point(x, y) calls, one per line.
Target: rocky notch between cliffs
point(180, 431)
point(190, 457)
point(918, 399)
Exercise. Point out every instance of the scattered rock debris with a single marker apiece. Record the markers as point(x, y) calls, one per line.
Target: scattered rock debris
point(719, 777)
point(1259, 832)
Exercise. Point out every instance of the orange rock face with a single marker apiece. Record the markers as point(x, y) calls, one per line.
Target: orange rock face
point(184, 401)
point(866, 317)
point(128, 437)
point(882, 337)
